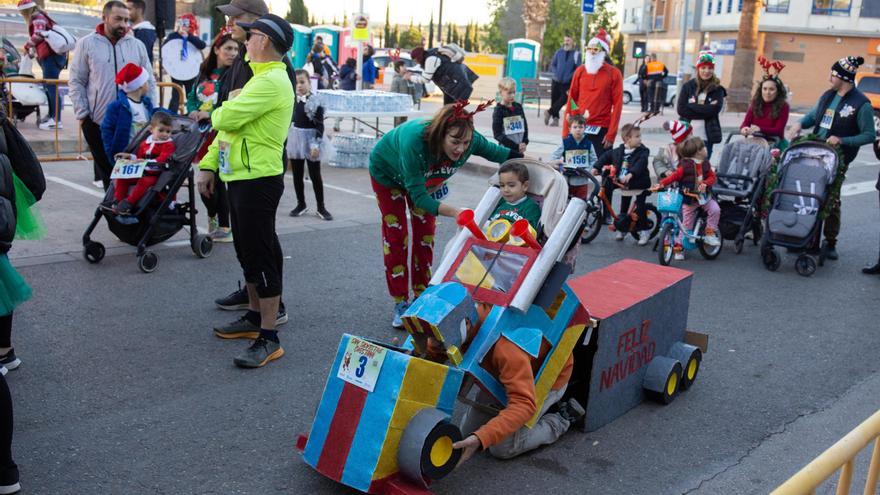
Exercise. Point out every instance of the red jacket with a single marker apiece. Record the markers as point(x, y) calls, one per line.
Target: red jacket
point(39, 22)
point(601, 94)
point(769, 126)
point(158, 152)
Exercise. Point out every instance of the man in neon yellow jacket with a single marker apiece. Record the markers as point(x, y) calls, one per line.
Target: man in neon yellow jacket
point(247, 154)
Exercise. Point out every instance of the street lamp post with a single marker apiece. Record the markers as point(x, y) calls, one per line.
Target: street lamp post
point(682, 65)
point(359, 84)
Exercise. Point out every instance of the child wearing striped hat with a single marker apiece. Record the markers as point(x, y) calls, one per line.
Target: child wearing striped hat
point(666, 159)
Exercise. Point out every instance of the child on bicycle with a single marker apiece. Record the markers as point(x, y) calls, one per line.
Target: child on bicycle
point(574, 155)
point(694, 174)
point(666, 159)
point(509, 124)
point(627, 167)
point(513, 179)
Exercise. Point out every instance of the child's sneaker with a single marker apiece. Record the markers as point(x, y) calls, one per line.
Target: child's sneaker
point(679, 252)
point(643, 237)
point(122, 208)
point(571, 411)
point(711, 237)
point(399, 309)
point(222, 234)
point(299, 210)
point(9, 360)
point(619, 236)
point(213, 225)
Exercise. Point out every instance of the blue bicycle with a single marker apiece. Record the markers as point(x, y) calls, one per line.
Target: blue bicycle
point(669, 204)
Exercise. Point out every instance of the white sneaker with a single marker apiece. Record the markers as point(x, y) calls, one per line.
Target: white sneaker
point(679, 256)
point(619, 236)
point(643, 237)
point(711, 240)
point(51, 125)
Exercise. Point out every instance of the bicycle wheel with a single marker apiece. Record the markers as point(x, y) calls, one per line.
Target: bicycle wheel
point(652, 217)
point(666, 244)
point(593, 223)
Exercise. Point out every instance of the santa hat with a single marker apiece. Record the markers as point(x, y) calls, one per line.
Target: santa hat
point(846, 68)
point(600, 40)
point(679, 130)
point(131, 77)
point(26, 4)
point(707, 57)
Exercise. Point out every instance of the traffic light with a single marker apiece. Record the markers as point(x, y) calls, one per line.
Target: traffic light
point(639, 48)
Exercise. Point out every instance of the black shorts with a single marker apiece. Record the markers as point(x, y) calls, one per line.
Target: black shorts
point(253, 204)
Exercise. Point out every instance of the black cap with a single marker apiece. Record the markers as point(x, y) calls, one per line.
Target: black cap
point(277, 29)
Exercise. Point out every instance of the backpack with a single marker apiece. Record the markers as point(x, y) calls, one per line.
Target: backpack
point(59, 39)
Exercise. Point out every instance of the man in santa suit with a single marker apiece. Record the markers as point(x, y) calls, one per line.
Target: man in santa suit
point(597, 93)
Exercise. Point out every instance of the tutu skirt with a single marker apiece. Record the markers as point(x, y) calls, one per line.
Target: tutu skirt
point(29, 223)
point(13, 289)
point(300, 142)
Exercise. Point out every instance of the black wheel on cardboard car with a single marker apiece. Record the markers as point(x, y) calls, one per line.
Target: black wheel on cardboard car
point(425, 450)
point(94, 252)
point(666, 245)
point(690, 357)
point(148, 262)
point(805, 265)
point(662, 379)
point(592, 223)
point(202, 245)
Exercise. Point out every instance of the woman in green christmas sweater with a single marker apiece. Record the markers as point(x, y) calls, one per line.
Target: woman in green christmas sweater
point(409, 168)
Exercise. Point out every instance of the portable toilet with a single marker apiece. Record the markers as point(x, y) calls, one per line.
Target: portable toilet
point(302, 44)
point(331, 37)
point(523, 56)
point(348, 47)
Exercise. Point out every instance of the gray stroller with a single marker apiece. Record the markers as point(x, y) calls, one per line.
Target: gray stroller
point(806, 173)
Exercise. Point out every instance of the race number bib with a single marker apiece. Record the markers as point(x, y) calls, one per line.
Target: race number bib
point(440, 192)
point(361, 364)
point(576, 159)
point(827, 119)
point(128, 169)
point(592, 130)
point(514, 125)
point(223, 157)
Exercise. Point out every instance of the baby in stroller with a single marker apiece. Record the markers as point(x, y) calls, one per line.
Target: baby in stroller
point(157, 148)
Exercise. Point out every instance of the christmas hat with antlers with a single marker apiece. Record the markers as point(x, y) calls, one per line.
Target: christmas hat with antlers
point(771, 69)
point(459, 112)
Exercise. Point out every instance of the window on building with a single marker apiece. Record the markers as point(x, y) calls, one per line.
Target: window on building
point(831, 7)
point(709, 9)
point(777, 6)
point(624, 16)
point(658, 23)
point(729, 6)
point(740, 8)
point(718, 9)
point(870, 9)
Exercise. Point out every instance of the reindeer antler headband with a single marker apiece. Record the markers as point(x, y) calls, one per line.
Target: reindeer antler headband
point(767, 65)
point(459, 112)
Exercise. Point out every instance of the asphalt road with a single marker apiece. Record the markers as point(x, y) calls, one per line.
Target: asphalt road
point(124, 388)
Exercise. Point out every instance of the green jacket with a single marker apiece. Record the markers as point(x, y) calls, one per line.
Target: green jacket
point(401, 159)
point(524, 208)
point(252, 127)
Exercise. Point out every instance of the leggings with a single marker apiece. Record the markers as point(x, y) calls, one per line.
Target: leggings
point(253, 205)
point(218, 203)
point(8, 469)
point(689, 216)
point(6, 330)
point(393, 204)
point(315, 176)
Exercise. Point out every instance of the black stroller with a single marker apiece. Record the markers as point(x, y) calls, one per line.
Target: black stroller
point(742, 174)
point(157, 216)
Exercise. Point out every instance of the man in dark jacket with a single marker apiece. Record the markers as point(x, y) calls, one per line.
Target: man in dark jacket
point(142, 28)
point(564, 62)
point(843, 117)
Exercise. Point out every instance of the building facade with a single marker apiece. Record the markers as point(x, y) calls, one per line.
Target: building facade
point(806, 35)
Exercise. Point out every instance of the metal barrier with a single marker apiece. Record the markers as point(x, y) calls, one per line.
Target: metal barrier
point(81, 153)
point(841, 455)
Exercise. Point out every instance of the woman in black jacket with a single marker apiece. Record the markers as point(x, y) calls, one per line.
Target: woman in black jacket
point(700, 101)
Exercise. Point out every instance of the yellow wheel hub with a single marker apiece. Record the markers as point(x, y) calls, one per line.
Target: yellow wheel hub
point(671, 384)
point(441, 451)
point(692, 369)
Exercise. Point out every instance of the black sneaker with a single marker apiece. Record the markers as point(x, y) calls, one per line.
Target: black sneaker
point(259, 354)
point(9, 480)
point(571, 411)
point(830, 248)
point(235, 301)
point(299, 210)
point(323, 214)
point(242, 328)
point(9, 360)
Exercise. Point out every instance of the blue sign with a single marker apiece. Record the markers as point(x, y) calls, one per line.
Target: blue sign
point(724, 47)
point(588, 6)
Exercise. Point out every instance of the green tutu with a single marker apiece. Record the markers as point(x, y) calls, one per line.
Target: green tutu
point(29, 223)
point(13, 289)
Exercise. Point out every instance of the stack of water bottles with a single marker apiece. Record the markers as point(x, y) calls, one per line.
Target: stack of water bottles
point(352, 150)
point(366, 101)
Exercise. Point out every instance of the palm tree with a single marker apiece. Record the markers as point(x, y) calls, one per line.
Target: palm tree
point(742, 80)
point(535, 17)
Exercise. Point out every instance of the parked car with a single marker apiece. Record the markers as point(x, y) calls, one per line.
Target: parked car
point(631, 90)
point(869, 84)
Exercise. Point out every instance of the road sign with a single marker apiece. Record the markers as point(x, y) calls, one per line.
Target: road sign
point(588, 6)
point(639, 48)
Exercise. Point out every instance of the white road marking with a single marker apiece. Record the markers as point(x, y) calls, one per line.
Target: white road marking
point(858, 188)
point(349, 191)
point(74, 185)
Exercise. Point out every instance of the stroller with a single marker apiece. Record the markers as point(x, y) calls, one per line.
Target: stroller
point(742, 174)
point(157, 216)
point(806, 173)
point(25, 98)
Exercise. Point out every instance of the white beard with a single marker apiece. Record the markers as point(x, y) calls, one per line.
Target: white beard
point(593, 62)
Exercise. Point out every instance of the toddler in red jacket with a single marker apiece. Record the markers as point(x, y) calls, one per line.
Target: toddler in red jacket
point(158, 148)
